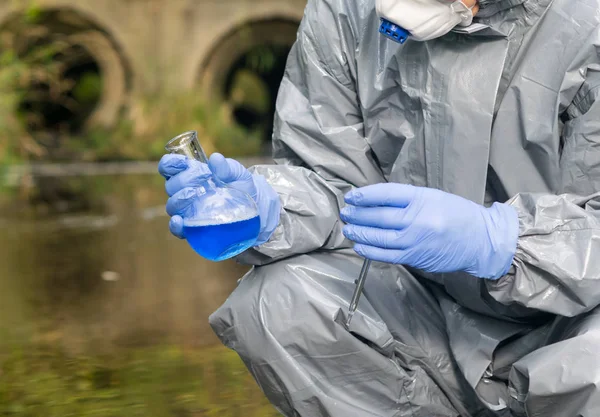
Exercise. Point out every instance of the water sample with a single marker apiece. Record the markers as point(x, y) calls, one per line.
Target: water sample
point(225, 221)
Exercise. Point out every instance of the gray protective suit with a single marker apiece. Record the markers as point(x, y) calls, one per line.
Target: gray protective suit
point(508, 113)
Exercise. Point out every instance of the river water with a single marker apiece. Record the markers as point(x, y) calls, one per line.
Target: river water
point(104, 313)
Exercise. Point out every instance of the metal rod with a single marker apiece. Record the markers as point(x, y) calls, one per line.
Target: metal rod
point(360, 285)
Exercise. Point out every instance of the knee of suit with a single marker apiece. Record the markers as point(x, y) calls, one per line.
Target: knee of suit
point(273, 312)
point(539, 379)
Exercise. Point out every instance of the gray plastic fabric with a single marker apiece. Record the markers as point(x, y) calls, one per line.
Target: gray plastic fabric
point(508, 113)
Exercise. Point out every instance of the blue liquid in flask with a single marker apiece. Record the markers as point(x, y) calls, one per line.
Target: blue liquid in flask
point(218, 242)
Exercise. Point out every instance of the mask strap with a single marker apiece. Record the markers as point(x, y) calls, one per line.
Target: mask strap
point(466, 13)
point(470, 8)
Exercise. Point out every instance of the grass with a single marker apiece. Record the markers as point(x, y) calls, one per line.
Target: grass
point(150, 382)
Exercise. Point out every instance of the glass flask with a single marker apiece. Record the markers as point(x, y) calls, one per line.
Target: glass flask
point(224, 222)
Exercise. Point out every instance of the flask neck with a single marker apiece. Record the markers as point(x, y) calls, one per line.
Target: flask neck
point(187, 144)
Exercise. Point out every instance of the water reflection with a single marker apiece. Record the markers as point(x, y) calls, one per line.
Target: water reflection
point(96, 294)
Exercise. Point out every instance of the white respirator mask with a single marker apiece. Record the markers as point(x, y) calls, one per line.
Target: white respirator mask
point(425, 19)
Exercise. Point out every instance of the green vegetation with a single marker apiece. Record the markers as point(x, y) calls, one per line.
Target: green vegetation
point(34, 83)
point(153, 121)
point(153, 382)
point(18, 71)
point(140, 135)
point(88, 88)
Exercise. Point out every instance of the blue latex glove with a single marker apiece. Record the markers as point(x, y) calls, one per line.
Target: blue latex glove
point(183, 175)
point(431, 230)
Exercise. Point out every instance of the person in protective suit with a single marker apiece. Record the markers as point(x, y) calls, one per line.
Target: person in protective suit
point(466, 162)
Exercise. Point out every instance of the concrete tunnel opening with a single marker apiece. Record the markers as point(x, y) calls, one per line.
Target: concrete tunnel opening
point(86, 84)
point(252, 84)
point(246, 69)
point(68, 111)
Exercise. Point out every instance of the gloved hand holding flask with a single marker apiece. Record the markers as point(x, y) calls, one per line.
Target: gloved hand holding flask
point(220, 195)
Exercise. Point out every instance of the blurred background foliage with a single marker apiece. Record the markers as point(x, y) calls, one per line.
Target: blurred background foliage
point(49, 86)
